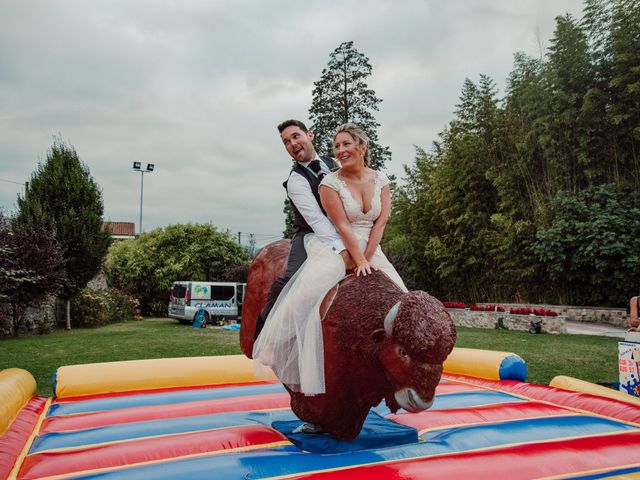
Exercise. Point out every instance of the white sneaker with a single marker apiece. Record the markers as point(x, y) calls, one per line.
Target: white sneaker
point(309, 428)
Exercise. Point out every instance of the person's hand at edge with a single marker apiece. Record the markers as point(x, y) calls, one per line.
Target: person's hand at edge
point(349, 264)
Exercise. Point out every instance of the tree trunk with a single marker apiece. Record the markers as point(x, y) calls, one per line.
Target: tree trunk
point(68, 304)
point(15, 318)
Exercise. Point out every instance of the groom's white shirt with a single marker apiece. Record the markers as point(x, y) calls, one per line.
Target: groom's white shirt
point(300, 193)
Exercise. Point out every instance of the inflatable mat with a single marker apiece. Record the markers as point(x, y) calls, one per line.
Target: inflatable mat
point(210, 417)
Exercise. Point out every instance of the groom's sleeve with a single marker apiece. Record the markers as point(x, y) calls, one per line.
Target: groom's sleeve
point(299, 192)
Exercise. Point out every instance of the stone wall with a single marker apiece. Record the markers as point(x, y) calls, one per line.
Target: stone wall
point(496, 320)
point(38, 319)
point(99, 282)
point(618, 317)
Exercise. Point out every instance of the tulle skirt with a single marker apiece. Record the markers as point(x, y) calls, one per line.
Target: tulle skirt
point(291, 341)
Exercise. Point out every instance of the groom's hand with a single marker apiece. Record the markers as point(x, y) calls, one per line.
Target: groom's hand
point(349, 264)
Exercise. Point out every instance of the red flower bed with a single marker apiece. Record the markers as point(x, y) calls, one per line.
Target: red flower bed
point(454, 304)
point(487, 308)
point(535, 311)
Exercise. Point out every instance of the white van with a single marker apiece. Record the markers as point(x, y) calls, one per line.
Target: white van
point(219, 299)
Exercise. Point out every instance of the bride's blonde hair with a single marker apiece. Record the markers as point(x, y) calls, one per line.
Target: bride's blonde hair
point(357, 134)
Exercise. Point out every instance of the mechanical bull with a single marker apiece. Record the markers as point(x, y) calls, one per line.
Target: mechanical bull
point(379, 343)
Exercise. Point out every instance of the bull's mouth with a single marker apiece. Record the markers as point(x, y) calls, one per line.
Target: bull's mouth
point(408, 399)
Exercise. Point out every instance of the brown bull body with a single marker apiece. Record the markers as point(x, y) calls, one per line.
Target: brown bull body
point(363, 363)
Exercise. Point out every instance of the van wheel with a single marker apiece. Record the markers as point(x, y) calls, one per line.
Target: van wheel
point(205, 320)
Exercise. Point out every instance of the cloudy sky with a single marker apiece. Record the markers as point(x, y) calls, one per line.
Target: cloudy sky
point(197, 88)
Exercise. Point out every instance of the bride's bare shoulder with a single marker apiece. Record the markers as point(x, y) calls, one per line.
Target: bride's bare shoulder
point(372, 175)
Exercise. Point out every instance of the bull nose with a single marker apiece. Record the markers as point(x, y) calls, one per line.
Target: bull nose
point(409, 399)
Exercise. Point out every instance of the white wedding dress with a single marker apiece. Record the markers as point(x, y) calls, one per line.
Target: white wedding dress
point(291, 340)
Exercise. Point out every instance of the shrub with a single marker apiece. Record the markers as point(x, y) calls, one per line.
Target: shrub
point(94, 308)
point(146, 267)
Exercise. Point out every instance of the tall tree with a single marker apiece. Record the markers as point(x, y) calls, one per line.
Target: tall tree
point(342, 95)
point(569, 76)
point(529, 198)
point(62, 196)
point(625, 87)
point(413, 221)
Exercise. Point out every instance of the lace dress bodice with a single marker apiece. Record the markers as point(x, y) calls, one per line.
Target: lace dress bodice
point(355, 215)
point(291, 342)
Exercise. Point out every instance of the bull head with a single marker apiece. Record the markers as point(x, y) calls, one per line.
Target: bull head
point(411, 366)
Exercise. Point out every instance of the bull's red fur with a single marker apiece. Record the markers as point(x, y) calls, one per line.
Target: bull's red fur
point(268, 265)
point(363, 365)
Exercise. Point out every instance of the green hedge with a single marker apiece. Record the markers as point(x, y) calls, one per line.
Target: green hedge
point(93, 308)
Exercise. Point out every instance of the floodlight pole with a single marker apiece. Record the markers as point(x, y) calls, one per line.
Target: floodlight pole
point(141, 190)
point(137, 166)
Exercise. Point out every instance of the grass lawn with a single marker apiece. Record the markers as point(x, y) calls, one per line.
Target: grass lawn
point(587, 357)
point(132, 340)
point(590, 358)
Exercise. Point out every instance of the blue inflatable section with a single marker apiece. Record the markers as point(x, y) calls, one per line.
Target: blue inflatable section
point(377, 432)
point(513, 368)
point(290, 460)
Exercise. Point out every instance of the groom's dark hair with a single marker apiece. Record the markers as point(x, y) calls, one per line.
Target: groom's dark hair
point(292, 123)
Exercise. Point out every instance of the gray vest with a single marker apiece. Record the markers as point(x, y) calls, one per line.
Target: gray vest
point(300, 225)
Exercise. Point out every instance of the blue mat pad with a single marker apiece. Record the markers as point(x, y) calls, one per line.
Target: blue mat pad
point(377, 432)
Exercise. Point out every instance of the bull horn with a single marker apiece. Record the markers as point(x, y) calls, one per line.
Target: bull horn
point(390, 318)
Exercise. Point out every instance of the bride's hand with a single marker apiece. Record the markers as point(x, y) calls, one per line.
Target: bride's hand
point(364, 268)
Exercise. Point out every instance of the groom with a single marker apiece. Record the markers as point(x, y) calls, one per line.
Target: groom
point(308, 214)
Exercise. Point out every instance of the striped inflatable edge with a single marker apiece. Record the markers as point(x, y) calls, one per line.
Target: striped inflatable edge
point(487, 364)
point(155, 374)
point(576, 385)
point(20, 411)
point(17, 386)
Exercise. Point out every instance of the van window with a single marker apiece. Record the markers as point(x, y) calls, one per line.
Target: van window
point(200, 291)
point(179, 291)
point(222, 292)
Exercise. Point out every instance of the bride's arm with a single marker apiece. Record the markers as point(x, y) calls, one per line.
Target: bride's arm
point(332, 204)
point(381, 222)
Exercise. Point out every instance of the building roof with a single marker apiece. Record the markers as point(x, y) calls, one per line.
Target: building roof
point(121, 228)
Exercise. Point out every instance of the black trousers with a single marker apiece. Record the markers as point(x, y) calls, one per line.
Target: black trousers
point(297, 256)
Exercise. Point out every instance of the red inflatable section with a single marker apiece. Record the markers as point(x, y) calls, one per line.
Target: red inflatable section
point(14, 439)
point(538, 460)
point(584, 402)
point(432, 419)
point(149, 450)
point(187, 409)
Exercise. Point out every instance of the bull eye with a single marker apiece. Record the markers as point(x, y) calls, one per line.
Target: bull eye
point(403, 352)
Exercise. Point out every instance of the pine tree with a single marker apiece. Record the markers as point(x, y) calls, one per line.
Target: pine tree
point(288, 219)
point(62, 196)
point(342, 95)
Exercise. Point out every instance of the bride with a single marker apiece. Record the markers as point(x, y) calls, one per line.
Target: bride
point(358, 201)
